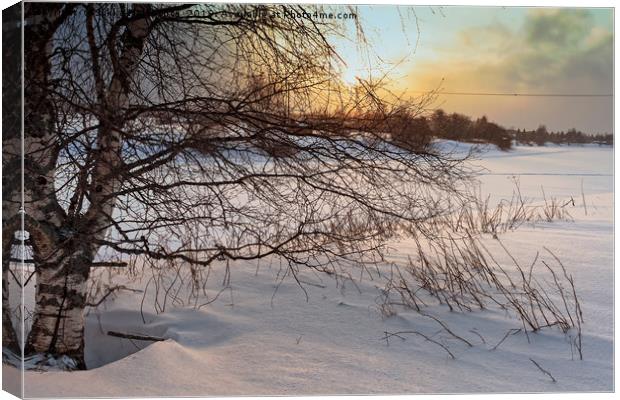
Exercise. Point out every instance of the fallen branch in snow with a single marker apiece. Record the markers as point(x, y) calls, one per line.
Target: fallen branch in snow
point(544, 370)
point(112, 264)
point(136, 337)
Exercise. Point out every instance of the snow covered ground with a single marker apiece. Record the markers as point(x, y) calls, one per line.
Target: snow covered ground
point(256, 340)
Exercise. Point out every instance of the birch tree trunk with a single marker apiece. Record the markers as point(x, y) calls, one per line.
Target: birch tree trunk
point(58, 326)
point(64, 246)
point(61, 263)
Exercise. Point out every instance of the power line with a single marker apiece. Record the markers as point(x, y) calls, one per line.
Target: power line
point(517, 94)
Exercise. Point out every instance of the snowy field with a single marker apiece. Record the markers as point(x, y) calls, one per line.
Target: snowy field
point(262, 336)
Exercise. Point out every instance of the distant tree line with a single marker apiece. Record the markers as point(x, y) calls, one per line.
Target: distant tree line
point(418, 131)
point(541, 136)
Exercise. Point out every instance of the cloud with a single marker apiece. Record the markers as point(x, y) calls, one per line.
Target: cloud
point(557, 28)
point(552, 51)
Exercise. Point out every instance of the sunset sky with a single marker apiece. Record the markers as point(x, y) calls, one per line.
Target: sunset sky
point(496, 50)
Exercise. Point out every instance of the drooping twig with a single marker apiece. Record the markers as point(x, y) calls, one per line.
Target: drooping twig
point(445, 327)
point(399, 335)
point(583, 198)
point(479, 335)
point(513, 331)
point(544, 371)
point(110, 291)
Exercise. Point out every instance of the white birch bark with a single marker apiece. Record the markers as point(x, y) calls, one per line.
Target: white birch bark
point(64, 250)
